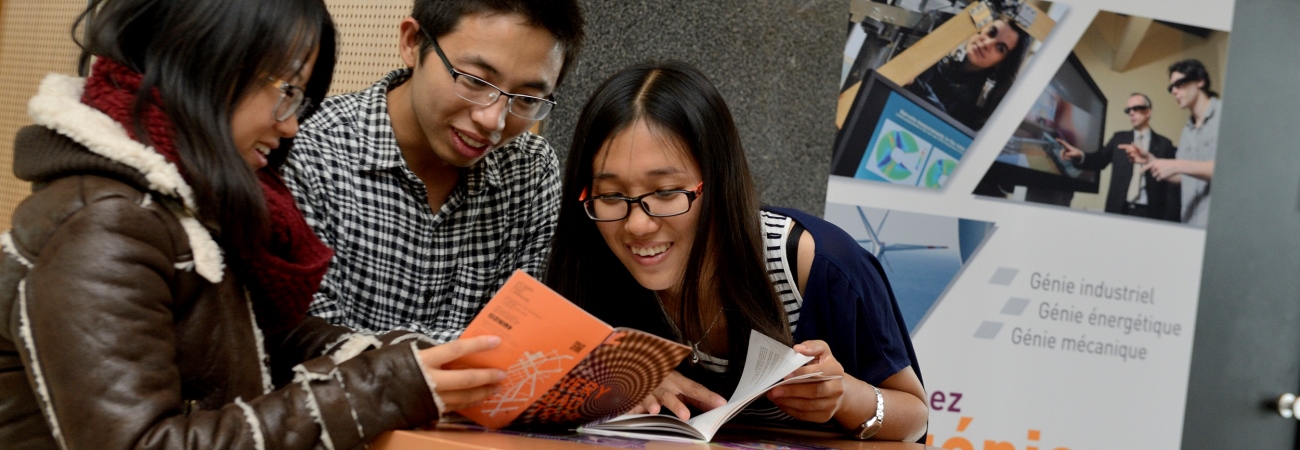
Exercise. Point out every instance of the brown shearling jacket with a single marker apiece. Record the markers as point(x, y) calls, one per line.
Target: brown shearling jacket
point(121, 328)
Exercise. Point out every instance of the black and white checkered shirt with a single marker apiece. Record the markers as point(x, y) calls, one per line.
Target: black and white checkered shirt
point(397, 264)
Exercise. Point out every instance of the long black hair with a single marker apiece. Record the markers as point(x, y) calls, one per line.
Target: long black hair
point(727, 261)
point(1004, 73)
point(202, 57)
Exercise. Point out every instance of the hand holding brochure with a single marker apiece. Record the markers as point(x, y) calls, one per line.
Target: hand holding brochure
point(766, 362)
point(563, 366)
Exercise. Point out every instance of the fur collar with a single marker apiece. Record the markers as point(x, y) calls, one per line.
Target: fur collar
point(57, 106)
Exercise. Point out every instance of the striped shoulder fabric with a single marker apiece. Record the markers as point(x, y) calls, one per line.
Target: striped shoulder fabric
point(776, 229)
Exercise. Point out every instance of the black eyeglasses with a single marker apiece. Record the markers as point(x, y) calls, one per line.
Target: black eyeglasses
point(1138, 108)
point(1181, 81)
point(293, 100)
point(479, 92)
point(666, 203)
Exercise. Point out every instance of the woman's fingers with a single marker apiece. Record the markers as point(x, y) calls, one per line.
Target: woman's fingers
point(452, 380)
point(674, 404)
point(461, 398)
point(435, 357)
point(815, 348)
point(828, 388)
point(648, 405)
point(459, 388)
point(700, 396)
point(815, 401)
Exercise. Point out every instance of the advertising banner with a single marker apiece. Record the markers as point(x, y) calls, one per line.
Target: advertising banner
point(1034, 178)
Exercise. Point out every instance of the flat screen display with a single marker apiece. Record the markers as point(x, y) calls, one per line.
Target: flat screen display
point(892, 136)
point(1071, 109)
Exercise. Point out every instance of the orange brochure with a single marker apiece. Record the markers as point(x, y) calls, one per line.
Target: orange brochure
point(563, 366)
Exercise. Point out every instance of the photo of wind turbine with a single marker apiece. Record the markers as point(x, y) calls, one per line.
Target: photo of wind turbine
point(922, 254)
point(879, 247)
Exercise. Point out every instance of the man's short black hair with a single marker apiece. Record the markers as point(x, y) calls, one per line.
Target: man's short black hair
point(1194, 70)
point(562, 18)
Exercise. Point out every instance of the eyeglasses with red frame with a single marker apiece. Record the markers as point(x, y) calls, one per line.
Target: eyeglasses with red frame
point(665, 203)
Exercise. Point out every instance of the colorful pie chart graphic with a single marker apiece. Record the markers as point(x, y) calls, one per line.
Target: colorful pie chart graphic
point(897, 154)
point(938, 172)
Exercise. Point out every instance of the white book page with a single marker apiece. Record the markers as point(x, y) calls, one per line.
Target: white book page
point(685, 437)
point(766, 362)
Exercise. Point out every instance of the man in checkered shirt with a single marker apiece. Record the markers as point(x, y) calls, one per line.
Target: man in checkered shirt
point(425, 184)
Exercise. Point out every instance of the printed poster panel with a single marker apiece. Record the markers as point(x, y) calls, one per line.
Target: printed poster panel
point(1066, 317)
point(1111, 136)
point(911, 102)
point(910, 147)
point(922, 254)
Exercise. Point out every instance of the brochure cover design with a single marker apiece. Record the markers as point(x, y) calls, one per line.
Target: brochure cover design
point(563, 366)
point(1031, 299)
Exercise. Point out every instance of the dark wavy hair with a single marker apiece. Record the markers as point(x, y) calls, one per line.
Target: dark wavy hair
point(1004, 73)
point(1194, 70)
point(677, 100)
point(562, 18)
point(202, 57)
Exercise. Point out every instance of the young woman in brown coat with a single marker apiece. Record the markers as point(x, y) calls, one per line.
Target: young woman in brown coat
point(154, 286)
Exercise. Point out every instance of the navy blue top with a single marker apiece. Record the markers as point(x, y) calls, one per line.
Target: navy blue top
point(848, 303)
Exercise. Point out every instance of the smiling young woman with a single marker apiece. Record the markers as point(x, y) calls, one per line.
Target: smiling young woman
point(660, 229)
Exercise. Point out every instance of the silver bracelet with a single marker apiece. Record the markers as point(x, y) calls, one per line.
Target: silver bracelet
point(872, 425)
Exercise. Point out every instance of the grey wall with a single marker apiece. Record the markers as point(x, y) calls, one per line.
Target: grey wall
point(1246, 351)
point(776, 63)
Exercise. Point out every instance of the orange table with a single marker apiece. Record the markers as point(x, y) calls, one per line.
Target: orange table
point(455, 436)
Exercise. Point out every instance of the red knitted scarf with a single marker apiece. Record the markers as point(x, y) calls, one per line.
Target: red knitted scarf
point(282, 276)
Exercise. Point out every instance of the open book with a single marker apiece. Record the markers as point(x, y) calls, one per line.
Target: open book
point(563, 366)
point(766, 363)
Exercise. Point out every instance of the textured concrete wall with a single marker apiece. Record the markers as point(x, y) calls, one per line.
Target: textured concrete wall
point(776, 62)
